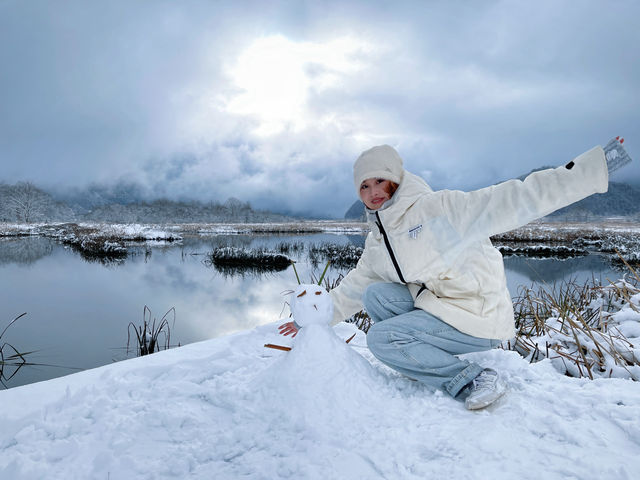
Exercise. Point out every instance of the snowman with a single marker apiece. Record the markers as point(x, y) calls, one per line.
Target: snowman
point(311, 305)
point(319, 359)
point(321, 382)
point(312, 310)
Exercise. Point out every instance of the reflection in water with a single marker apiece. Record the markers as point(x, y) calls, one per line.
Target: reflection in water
point(79, 312)
point(531, 272)
point(551, 270)
point(24, 250)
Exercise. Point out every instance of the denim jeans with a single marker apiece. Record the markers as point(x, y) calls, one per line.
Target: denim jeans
point(417, 344)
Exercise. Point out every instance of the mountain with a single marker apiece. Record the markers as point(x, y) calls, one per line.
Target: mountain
point(168, 211)
point(25, 202)
point(621, 200)
point(356, 211)
point(84, 200)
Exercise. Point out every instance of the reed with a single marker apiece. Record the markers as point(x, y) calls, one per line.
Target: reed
point(286, 248)
point(341, 256)
point(11, 360)
point(574, 326)
point(148, 335)
point(231, 260)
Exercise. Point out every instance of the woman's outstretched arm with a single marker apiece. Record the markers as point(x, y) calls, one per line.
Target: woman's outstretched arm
point(503, 207)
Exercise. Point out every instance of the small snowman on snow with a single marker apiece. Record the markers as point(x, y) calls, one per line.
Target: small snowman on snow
point(311, 305)
point(320, 364)
point(312, 311)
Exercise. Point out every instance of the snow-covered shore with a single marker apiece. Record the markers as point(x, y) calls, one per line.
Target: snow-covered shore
point(229, 408)
point(535, 239)
point(137, 231)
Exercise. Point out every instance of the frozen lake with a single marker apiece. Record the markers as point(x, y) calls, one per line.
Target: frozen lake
point(78, 312)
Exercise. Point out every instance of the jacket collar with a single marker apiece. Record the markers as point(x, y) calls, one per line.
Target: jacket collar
point(392, 211)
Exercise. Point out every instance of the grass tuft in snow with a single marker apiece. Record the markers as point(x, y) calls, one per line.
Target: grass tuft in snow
point(149, 333)
point(230, 260)
point(580, 328)
point(341, 256)
point(287, 248)
point(11, 360)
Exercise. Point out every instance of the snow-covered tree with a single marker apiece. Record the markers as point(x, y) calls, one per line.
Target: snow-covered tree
point(27, 202)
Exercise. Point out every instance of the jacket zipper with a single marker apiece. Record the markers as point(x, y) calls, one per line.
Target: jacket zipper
point(388, 245)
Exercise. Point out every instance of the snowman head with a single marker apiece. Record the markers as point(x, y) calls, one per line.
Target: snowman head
point(311, 304)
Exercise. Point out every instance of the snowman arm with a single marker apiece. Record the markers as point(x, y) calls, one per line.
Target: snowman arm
point(347, 296)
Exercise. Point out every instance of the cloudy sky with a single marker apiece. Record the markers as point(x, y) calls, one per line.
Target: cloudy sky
point(271, 102)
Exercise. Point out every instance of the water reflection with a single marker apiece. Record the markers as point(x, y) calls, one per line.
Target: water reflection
point(79, 312)
point(24, 250)
point(533, 272)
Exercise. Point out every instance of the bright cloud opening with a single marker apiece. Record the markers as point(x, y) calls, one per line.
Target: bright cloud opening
point(275, 77)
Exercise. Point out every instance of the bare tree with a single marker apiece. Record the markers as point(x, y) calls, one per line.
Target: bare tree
point(27, 202)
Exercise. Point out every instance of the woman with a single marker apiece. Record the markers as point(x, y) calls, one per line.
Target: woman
point(429, 277)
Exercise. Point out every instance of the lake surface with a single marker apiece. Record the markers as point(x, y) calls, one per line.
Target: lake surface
point(79, 312)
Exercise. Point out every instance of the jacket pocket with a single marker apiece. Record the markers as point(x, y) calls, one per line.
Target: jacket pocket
point(461, 290)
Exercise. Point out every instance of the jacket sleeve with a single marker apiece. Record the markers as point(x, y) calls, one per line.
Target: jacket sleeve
point(347, 297)
point(475, 215)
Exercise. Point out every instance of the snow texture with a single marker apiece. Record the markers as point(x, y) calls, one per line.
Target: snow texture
point(229, 408)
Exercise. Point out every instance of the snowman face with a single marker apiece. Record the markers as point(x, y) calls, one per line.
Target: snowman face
point(311, 304)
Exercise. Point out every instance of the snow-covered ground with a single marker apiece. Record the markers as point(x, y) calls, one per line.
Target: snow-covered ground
point(124, 231)
point(229, 408)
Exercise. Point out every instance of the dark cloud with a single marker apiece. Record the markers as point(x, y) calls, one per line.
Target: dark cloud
point(469, 92)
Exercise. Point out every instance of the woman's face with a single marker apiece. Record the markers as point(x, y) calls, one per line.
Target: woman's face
point(374, 192)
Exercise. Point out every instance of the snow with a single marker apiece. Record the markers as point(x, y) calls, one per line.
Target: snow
point(311, 304)
point(229, 408)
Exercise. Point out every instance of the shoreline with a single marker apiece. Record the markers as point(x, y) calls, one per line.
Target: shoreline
point(539, 238)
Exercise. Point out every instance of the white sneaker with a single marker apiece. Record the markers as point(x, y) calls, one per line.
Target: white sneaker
point(485, 389)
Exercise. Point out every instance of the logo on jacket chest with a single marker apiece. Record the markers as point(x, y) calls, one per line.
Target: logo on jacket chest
point(415, 231)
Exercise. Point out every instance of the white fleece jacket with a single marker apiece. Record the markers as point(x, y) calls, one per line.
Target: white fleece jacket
point(438, 243)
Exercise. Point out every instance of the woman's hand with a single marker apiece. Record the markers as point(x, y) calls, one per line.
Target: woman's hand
point(288, 328)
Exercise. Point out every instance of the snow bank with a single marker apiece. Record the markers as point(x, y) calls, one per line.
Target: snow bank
point(229, 408)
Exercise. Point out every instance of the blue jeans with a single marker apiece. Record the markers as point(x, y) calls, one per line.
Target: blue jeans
point(417, 344)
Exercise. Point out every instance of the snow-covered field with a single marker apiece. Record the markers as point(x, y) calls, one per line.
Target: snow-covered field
point(129, 231)
point(229, 408)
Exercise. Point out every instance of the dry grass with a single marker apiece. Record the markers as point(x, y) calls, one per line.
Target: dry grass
point(574, 326)
point(232, 260)
point(12, 360)
point(148, 334)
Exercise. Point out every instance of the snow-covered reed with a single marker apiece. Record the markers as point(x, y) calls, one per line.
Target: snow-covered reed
point(586, 330)
point(238, 259)
point(342, 256)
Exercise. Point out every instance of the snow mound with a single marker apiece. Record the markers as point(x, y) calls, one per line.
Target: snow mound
point(320, 372)
point(229, 408)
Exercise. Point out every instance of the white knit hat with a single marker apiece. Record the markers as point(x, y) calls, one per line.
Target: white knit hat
point(378, 162)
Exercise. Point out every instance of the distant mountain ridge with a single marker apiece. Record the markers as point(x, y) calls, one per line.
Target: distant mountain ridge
point(25, 202)
point(356, 211)
point(621, 200)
